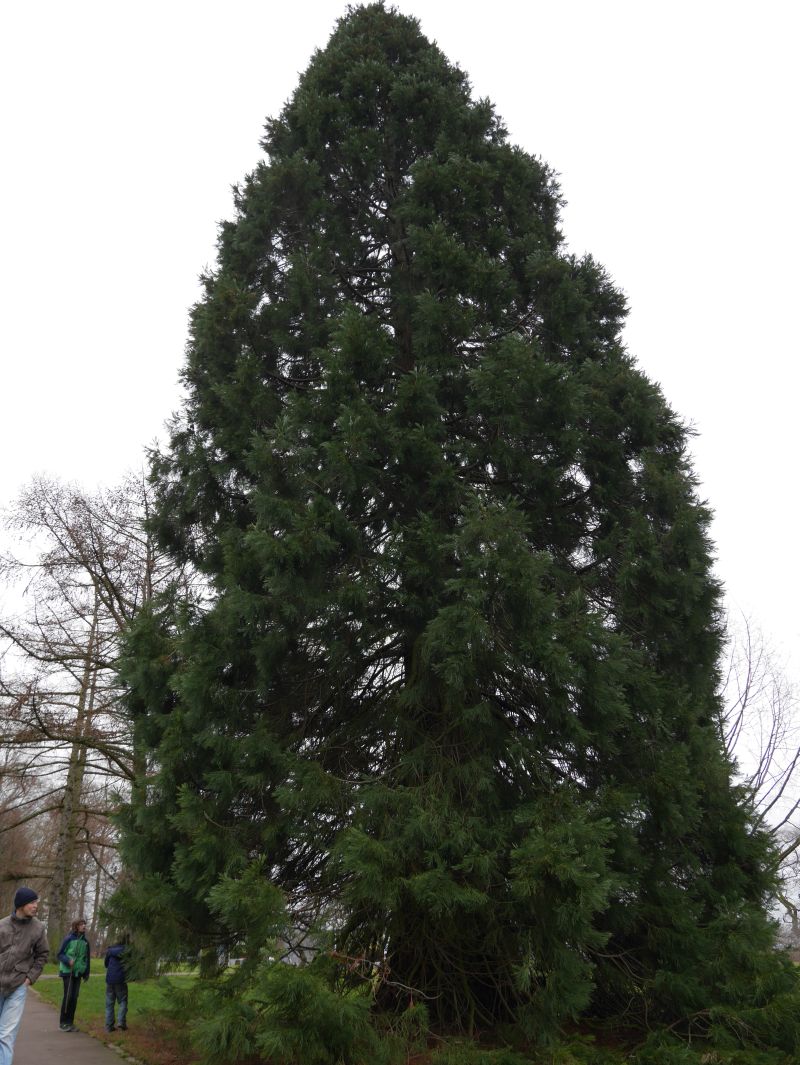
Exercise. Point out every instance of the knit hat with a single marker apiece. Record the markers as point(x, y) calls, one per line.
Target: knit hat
point(23, 896)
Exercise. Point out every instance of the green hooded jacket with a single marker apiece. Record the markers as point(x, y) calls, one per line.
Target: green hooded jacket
point(75, 946)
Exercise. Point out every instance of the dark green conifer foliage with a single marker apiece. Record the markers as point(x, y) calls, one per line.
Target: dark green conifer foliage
point(454, 690)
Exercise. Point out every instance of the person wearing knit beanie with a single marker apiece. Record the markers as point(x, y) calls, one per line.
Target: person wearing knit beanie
point(23, 952)
point(24, 896)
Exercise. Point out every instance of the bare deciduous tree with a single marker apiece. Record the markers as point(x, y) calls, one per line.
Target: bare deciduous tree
point(84, 565)
point(761, 731)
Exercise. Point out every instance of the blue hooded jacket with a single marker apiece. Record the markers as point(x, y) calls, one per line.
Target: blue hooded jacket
point(114, 962)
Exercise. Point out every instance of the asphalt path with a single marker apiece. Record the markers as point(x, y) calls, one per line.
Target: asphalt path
point(41, 1042)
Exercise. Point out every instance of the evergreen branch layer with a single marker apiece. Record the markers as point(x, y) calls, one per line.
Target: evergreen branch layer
point(454, 694)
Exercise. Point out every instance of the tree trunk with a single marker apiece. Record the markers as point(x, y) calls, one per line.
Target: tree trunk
point(98, 883)
point(69, 817)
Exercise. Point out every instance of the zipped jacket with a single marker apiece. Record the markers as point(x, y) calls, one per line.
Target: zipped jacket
point(76, 946)
point(23, 951)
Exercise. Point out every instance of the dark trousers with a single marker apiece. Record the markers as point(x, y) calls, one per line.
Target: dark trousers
point(72, 987)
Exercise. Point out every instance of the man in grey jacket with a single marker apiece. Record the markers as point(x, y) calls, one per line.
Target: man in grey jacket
point(23, 952)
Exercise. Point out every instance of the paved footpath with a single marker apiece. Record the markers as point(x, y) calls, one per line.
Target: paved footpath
point(41, 1041)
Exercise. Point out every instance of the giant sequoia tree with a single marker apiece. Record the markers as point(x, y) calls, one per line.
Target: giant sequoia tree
point(453, 694)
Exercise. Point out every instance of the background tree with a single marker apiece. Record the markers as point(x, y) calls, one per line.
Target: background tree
point(455, 689)
point(25, 851)
point(761, 732)
point(85, 566)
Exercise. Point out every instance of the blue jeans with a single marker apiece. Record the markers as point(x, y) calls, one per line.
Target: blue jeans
point(115, 993)
point(11, 1007)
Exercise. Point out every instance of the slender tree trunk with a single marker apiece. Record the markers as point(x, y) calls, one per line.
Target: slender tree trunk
point(98, 883)
point(139, 752)
point(68, 821)
point(82, 898)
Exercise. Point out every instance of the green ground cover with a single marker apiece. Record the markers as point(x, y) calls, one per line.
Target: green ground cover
point(144, 997)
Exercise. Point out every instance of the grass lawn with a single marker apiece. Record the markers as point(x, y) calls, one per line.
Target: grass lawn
point(151, 1036)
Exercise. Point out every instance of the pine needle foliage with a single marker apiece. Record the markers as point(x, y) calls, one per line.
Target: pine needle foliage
point(453, 695)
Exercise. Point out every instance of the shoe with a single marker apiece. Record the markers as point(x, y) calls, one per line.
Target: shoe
point(123, 1027)
point(111, 1029)
point(72, 1028)
point(65, 1027)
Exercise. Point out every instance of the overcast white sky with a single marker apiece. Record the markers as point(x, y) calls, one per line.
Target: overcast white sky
point(673, 126)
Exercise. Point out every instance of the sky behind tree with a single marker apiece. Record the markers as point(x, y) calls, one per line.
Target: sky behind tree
point(672, 127)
